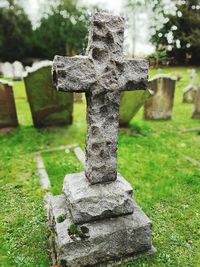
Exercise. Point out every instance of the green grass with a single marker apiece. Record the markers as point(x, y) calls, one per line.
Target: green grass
point(165, 184)
point(58, 164)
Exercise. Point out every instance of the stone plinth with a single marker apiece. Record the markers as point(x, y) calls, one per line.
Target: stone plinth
point(109, 239)
point(8, 114)
point(88, 202)
point(160, 105)
point(48, 107)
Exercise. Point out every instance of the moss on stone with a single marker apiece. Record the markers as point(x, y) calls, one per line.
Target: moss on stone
point(48, 106)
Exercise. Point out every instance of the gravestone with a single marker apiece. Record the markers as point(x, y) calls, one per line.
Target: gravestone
point(48, 107)
point(160, 105)
point(1, 65)
point(18, 71)
point(196, 112)
point(96, 219)
point(78, 97)
point(190, 91)
point(7, 70)
point(130, 103)
point(42, 63)
point(8, 114)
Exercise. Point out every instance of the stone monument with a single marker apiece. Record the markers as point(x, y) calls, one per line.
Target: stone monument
point(130, 103)
point(160, 105)
point(8, 114)
point(7, 70)
point(78, 97)
point(48, 107)
point(196, 112)
point(96, 220)
point(18, 71)
point(190, 91)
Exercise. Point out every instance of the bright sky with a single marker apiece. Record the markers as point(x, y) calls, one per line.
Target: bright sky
point(142, 45)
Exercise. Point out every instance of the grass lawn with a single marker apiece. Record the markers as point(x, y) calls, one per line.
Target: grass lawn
point(165, 184)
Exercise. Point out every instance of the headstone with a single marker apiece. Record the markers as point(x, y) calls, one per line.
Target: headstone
point(18, 71)
point(96, 219)
point(78, 97)
point(48, 107)
point(160, 105)
point(8, 114)
point(130, 104)
point(1, 66)
point(38, 64)
point(7, 70)
point(196, 112)
point(190, 91)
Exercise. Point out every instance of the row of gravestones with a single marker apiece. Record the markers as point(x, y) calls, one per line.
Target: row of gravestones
point(14, 70)
point(49, 107)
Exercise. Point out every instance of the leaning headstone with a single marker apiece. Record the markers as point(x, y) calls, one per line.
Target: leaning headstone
point(8, 114)
point(18, 71)
point(196, 112)
point(130, 104)
point(190, 91)
point(38, 64)
point(7, 70)
point(160, 105)
point(48, 107)
point(96, 219)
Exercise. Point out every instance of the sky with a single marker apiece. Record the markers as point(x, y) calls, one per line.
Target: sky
point(142, 44)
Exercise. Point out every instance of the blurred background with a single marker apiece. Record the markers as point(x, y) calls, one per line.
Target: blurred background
point(165, 31)
point(159, 134)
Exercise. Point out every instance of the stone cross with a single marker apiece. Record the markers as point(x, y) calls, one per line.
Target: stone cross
point(102, 74)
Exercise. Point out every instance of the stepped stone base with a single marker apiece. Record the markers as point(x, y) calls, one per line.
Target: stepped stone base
point(88, 202)
point(108, 240)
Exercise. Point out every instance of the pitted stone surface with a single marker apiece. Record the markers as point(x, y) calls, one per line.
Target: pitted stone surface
point(102, 74)
point(160, 105)
point(109, 239)
point(88, 202)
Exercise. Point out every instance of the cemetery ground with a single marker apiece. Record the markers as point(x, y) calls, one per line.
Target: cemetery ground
point(151, 156)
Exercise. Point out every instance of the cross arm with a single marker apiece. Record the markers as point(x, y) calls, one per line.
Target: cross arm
point(73, 74)
point(135, 75)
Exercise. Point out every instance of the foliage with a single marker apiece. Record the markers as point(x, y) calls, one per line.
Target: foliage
point(165, 184)
point(15, 32)
point(61, 218)
point(180, 34)
point(62, 31)
point(78, 231)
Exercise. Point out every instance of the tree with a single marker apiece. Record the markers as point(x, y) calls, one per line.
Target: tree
point(134, 9)
point(62, 31)
point(180, 35)
point(15, 32)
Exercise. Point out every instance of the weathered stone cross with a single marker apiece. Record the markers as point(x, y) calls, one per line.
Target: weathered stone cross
point(102, 74)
